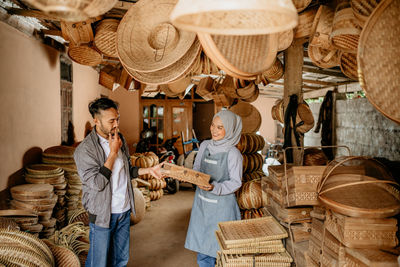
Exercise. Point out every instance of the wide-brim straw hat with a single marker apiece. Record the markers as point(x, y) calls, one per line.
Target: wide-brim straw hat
point(379, 59)
point(235, 17)
point(147, 41)
point(73, 11)
point(241, 56)
point(323, 58)
point(171, 73)
point(322, 27)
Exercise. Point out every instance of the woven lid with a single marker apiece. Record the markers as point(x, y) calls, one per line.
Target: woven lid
point(85, 55)
point(106, 37)
point(78, 10)
point(146, 41)
point(140, 207)
point(322, 27)
point(236, 17)
point(251, 117)
point(34, 190)
point(243, 55)
point(43, 169)
point(59, 152)
point(323, 58)
point(378, 65)
point(170, 73)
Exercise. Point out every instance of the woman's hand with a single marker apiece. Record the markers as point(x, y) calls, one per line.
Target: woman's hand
point(155, 171)
point(208, 187)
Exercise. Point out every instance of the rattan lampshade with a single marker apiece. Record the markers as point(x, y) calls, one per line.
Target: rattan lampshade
point(235, 17)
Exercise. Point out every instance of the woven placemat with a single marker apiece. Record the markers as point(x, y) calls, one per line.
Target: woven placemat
point(379, 59)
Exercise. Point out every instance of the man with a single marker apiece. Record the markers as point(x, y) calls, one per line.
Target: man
point(103, 164)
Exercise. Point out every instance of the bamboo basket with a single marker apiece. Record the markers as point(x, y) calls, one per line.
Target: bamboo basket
point(304, 27)
point(345, 29)
point(251, 117)
point(322, 28)
point(77, 33)
point(106, 35)
point(348, 65)
point(275, 72)
point(362, 9)
point(323, 58)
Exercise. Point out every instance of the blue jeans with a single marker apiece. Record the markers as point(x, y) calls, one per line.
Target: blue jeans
point(205, 261)
point(110, 246)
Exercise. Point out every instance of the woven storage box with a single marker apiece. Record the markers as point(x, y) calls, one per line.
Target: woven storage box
point(77, 32)
point(298, 251)
point(362, 232)
point(323, 238)
point(369, 257)
point(322, 256)
point(108, 76)
point(378, 65)
point(272, 246)
point(251, 231)
point(300, 231)
point(186, 175)
point(288, 215)
point(261, 260)
point(106, 35)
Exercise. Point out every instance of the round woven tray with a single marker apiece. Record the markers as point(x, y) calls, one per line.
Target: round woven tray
point(85, 55)
point(251, 117)
point(304, 27)
point(174, 72)
point(42, 169)
point(348, 65)
point(53, 180)
point(322, 27)
point(106, 37)
point(57, 161)
point(323, 58)
point(378, 65)
point(59, 152)
point(69, 169)
point(32, 190)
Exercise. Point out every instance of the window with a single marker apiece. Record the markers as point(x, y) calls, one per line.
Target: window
point(67, 130)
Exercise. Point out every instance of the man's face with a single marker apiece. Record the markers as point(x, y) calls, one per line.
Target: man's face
point(107, 122)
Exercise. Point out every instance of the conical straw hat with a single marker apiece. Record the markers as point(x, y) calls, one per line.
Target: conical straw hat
point(235, 17)
point(147, 41)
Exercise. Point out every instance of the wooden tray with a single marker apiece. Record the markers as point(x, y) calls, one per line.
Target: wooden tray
point(250, 231)
point(42, 169)
point(369, 258)
point(271, 246)
point(186, 175)
point(362, 232)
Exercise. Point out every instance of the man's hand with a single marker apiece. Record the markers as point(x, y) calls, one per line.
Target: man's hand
point(114, 141)
point(155, 171)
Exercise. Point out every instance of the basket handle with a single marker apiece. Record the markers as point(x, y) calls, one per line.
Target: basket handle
point(357, 183)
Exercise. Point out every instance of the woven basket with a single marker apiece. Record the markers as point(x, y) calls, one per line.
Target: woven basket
point(314, 157)
point(363, 8)
point(322, 28)
point(250, 195)
point(304, 118)
point(323, 58)
point(378, 65)
point(77, 32)
point(253, 97)
point(85, 55)
point(65, 257)
point(348, 65)
point(106, 36)
point(251, 117)
point(275, 72)
point(73, 11)
point(32, 191)
point(235, 17)
point(241, 56)
point(345, 29)
point(279, 111)
point(304, 27)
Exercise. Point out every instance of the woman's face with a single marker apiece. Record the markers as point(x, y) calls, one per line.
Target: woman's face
point(217, 129)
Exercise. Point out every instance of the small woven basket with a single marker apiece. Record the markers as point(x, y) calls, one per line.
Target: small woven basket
point(323, 58)
point(77, 32)
point(314, 157)
point(106, 35)
point(275, 72)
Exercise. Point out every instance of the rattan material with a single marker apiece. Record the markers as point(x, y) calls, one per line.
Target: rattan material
point(33, 228)
point(250, 195)
point(304, 27)
point(314, 157)
point(186, 175)
point(146, 42)
point(322, 27)
point(77, 32)
point(22, 257)
point(247, 92)
point(235, 17)
point(251, 98)
point(250, 259)
point(272, 246)
point(106, 37)
point(345, 29)
point(251, 231)
point(323, 58)
point(348, 65)
point(32, 190)
point(370, 257)
point(379, 72)
point(224, 263)
point(8, 223)
point(65, 257)
point(242, 55)
point(251, 117)
point(73, 11)
point(42, 169)
point(285, 39)
point(304, 118)
point(275, 72)
point(362, 9)
point(59, 152)
point(169, 74)
point(85, 55)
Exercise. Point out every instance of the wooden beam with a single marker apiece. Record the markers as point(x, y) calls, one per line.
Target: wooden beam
point(349, 88)
point(334, 73)
point(30, 13)
point(293, 70)
point(51, 32)
point(324, 82)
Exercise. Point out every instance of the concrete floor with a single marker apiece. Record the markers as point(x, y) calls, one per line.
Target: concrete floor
point(158, 240)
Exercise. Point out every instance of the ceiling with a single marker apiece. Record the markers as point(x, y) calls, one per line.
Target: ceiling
point(316, 81)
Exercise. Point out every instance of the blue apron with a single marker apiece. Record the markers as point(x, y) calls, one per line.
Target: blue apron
point(209, 209)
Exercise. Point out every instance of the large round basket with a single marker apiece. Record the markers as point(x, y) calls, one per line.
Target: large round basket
point(73, 11)
point(235, 17)
point(322, 27)
point(250, 195)
point(378, 65)
point(345, 29)
point(251, 117)
point(106, 37)
point(348, 65)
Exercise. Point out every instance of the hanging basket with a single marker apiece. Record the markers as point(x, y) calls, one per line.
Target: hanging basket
point(106, 37)
point(348, 65)
point(322, 28)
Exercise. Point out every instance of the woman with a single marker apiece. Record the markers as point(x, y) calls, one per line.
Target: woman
point(216, 202)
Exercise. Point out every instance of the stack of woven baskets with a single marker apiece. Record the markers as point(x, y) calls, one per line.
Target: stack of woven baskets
point(256, 242)
point(354, 225)
point(155, 186)
point(38, 200)
point(249, 196)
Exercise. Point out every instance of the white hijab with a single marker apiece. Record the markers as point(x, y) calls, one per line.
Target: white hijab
point(233, 128)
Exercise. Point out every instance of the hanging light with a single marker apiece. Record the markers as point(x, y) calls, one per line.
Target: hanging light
point(235, 17)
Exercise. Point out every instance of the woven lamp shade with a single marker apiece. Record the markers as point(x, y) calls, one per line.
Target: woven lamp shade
point(235, 17)
point(73, 11)
point(345, 29)
point(379, 59)
point(146, 41)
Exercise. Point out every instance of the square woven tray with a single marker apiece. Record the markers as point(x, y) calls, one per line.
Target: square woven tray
point(186, 175)
point(251, 231)
point(264, 260)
